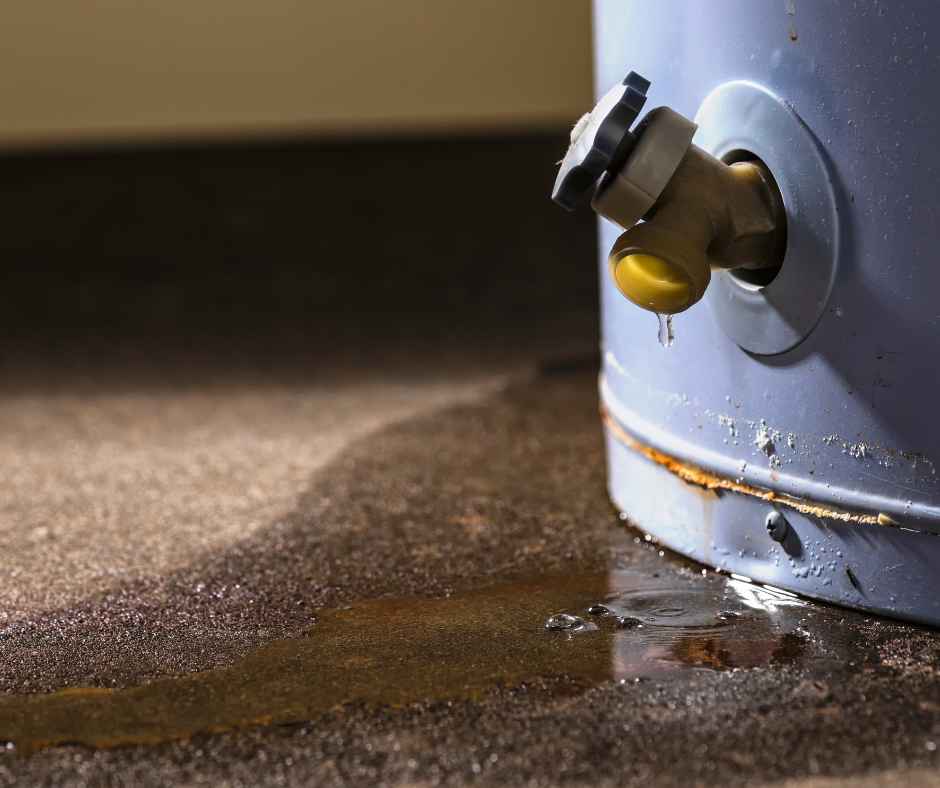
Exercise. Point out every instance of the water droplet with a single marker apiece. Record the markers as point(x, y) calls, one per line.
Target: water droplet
point(563, 621)
point(629, 622)
point(667, 335)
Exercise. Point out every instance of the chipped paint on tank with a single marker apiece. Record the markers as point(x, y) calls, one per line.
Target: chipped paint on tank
point(784, 446)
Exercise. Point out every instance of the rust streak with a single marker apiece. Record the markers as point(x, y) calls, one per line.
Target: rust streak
point(699, 477)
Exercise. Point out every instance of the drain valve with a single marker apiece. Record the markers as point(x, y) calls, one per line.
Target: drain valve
point(684, 211)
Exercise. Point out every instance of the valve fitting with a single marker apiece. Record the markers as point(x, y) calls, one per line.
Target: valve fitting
point(684, 211)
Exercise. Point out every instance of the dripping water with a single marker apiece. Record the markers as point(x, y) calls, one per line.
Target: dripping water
point(666, 334)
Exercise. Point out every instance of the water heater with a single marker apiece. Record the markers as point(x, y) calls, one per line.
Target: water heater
point(767, 176)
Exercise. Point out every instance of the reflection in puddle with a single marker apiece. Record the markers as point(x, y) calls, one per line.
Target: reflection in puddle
point(739, 625)
point(399, 651)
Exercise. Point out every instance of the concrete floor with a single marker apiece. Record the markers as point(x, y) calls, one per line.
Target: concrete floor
point(503, 488)
point(278, 551)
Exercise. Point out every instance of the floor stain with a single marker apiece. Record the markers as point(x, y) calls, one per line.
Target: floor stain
point(393, 652)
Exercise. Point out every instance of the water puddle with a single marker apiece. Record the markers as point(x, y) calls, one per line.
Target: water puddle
point(576, 630)
point(742, 626)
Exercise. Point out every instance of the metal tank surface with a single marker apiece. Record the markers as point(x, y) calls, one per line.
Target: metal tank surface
point(789, 434)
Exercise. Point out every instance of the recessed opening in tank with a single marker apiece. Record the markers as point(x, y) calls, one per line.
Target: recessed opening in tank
point(759, 278)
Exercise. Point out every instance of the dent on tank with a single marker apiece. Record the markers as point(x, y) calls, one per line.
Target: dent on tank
point(334, 453)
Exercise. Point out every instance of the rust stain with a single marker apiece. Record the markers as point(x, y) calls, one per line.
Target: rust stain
point(85, 692)
point(701, 478)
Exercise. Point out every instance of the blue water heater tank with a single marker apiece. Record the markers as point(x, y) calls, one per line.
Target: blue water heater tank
point(787, 432)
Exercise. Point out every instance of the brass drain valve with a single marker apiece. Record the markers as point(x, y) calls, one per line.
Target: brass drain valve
point(684, 211)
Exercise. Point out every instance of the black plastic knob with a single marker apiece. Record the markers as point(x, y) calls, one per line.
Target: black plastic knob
point(608, 145)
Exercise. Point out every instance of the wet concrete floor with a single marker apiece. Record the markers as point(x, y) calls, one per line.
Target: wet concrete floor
point(450, 600)
point(625, 625)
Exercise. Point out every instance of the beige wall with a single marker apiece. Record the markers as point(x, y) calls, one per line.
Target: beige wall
point(91, 70)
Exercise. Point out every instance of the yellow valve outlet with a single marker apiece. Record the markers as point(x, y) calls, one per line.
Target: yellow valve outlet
point(652, 282)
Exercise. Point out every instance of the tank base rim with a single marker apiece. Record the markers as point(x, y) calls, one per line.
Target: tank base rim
point(882, 570)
